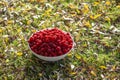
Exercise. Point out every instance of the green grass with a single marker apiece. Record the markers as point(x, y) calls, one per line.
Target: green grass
point(96, 54)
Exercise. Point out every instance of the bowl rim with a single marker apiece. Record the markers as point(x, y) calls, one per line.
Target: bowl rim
point(53, 56)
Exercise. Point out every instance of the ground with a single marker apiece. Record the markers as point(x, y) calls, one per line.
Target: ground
point(94, 25)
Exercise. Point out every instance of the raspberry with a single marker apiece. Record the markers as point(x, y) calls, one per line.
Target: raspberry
point(31, 39)
point(58, 48)
point(50, 42)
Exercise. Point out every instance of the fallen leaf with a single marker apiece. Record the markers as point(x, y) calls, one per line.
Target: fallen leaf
point(85, 10)
point(29, 22)
point(69, 55)
point(87, 24)
point(113, 68)
point(73, 73)
point(77, 56)
point(107, 19)
point(95, 16)
point(103, 67)
point(7, 60)
point(1, 30)
point(72, 6)
point(107, 3)
point(19, 54)
point(91, 16)
point(95, 3)
point(5, 78)
point(5, 36)
point(34, 31)
point(40, 74)
point(31, 0)
point(41, 1)
point(10, 21)
point(93, 73)
point(118, 6)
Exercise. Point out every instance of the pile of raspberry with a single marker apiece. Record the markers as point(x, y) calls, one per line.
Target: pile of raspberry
point(50, 42)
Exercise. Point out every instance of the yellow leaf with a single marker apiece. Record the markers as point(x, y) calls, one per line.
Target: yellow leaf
point(86, 6)
point(31, 0)
point(118, 6)
point(11, 8)
point(29, 22)
point(47, 13)
point(69, 55)
point(6, 39)
point(103, 67)
point(41, 1)
point(107, 19)
point(10, 21)
point(19, 54)
point(5, 78)
point(93, 73)
point(77, 56)
point(83, 70)
point(72, 73)
point(85, 10)
point(72, 6)
point(22, 4)
point(33, 31)
point(85, 45)
point(114, 67)
point(67, 28)
point(5, 3)
point(40, 74)
point(95, 3)
point(92, 17)
point(1, 30)
point(7, 60)
point(24, 12)
point(1, 3)
point(49, 10)
point(5, 36)
point(87, 24)
point(19, 30)
point(96, 16)
point(107, 3)
point(78, 11)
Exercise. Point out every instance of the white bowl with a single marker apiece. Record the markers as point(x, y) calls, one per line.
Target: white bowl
point(56, 58)
point(49, 58)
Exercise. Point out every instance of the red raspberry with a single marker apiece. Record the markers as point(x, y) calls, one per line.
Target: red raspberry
point(50, 42)
point(31, 39)
point(58, 48)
